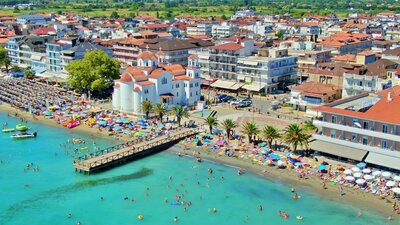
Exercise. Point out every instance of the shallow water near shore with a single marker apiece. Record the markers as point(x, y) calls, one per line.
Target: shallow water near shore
point(49, 195)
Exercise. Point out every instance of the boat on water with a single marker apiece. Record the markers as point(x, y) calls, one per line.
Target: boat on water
point(24, 135)
point(8, 130)
point(21, 127)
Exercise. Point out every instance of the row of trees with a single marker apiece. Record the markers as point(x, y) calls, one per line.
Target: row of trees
point(159, 109)
point(293, 135)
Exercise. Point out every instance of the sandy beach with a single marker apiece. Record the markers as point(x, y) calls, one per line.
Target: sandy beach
point(355, 198)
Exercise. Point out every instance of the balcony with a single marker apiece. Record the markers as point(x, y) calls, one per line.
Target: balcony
point(356, 130)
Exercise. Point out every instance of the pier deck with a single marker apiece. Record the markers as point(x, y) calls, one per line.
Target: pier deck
point(126, 152)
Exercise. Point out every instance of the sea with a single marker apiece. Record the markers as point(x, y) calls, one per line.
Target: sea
point(51, 192)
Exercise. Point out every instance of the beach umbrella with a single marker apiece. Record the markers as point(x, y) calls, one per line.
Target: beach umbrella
point(360, 181)
point(396, 178)
point(355, 169)
point(390, 183)
point(275, 156)
point(386, 174)
point(47, 113)
point(322, 167)
point(366, 170)
point(263, 144)
point(376, 173)
point(280, 162)
point(160, 125)
point(396, 190)
point(102, 123)
point(368, 177)
point(117, 128)
point(297, 164)
point(142, 120)
point(361, 165)
point(350, 178)
point(347, 172)
point(357, 175)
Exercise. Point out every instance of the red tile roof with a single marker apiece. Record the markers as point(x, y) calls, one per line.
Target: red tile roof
point(42, 30)
point(383, 111)
point(156, 73)
point(228, 47)
point(145, 83)
point(147, 55)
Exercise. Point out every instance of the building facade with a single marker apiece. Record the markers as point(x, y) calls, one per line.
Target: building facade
point(364, 127)
point(159, 83)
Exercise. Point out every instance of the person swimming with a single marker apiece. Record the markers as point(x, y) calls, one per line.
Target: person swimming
point(69, 216)
point(260, 208)
point(176, 219)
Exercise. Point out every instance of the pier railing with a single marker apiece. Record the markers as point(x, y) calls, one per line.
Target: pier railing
point(123, 152)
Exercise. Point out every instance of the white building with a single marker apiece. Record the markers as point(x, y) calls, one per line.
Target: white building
point(153, 80)
point(266, 70)
point(199, 29)
point(223, 30)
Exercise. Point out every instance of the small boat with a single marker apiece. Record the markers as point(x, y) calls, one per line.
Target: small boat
point(21, 127)
point(8, 130)
point(24, 135)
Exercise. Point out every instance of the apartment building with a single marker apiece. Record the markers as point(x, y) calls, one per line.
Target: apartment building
point(223, 30)
point(308, 56)
point(267, 71)
point(363, 127)
point(347, 43)
point(127, 50)
point(53, 53)
point(27, 51)
point(199, 29)
point(370, 78)
point(175, 51)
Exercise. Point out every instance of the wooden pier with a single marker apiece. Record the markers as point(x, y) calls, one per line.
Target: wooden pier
point(122, 153)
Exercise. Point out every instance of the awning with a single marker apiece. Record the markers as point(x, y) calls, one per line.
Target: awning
point(252, 63)
point(338, 150)
point(383, 160)
point(250, 87)
point(167, 95)
point(226, 85)
point(39, 70)
point(36, 57)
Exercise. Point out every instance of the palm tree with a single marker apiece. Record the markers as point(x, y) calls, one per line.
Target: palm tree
point(147, 107)
point(270, 133)
point(211, 122)
point(180, 112)
point(160, 110)
point(250, 129)
point(309, 126)
point(296, 136)
point(228, 125)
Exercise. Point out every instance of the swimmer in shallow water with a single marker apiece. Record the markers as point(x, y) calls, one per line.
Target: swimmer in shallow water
point(176, 219)
point(260, 208)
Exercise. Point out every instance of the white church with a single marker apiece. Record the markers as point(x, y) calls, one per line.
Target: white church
point(155, 81)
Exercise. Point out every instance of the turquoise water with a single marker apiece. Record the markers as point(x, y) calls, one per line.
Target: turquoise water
point(206, 113)
point(56, 190)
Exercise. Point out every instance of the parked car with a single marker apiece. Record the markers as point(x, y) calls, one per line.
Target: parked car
point(227, 98)
point(235, 102)
point(232, 100)
point(221, 96)
point(244, 103)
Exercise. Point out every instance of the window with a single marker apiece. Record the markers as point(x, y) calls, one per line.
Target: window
point(384, 128)
point(146, 91)
point(190, 94)
point(191, 85)
point(384, 144)
point(365, 125)
point(354, 137)
point(334, 119)
point(164, 81)
point(197, 93)
point(369, 84)
point(177, 94)
point(177, 85)
point(333, 133)
point(365, 140)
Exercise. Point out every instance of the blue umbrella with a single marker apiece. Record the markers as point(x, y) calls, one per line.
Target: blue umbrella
point(102, 123)
point(117, 128)
point(292, 160)
point(297, 164)
point(322, 167)
point(142, 119)
point(361, 165)
point(263, 144)
point(161, 125)
point(275, 156)
point(208, 135)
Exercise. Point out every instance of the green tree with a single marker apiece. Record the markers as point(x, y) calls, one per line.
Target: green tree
point(158, 14)
point(228, 125)
point(279, 35)
point(160, 110)
point(16, 69)
point(251, 130)
point(4, 60)
point(270, 133)
point(296, 136)
point(114, 15)
point(309, 126)
point(224, 17)
point(29, 74)
point(95, 72)
point(211, 122)
point(180, 112)
point(147, 107)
